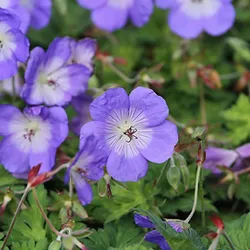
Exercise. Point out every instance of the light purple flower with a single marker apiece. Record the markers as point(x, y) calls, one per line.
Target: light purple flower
point(133, 129)
point(220, 157)
point(14, 46)
point(87, 166)
point(154, 236)
point(83, 52)
point(81, 106)
point(48, 77)
point(6, 86)
point(189, 18)
point(111, 15)
point(31, 137)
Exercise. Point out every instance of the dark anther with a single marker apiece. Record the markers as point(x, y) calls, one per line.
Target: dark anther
point(29, 134)
point(130, 133)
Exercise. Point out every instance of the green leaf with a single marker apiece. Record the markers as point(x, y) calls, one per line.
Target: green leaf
point(6, 179)
point(29, 224)
point(238, 120)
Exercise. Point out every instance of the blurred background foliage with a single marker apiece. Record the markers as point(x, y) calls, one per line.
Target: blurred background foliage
point(165, 62)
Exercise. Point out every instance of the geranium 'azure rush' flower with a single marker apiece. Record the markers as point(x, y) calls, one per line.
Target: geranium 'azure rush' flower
point(238, 158)
point(154, 236)
point(14, 46)
point(188, 18)
point(87, 166)
point(34, 13)
point(83, 52)
point(81, 106)
point(31, 137)
point(133, 129)
point(111, 15)
point(48, 77)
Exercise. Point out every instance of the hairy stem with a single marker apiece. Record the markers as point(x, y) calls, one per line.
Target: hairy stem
point(27, 189)
point(203, 105)
point(230, 243)
point(195, 194)
point(45, 216)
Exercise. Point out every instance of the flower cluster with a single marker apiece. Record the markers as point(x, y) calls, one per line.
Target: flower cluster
point(34, 13)
point(187, 18)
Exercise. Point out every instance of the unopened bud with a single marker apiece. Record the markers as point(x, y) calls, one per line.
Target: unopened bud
point(68, 242)
point(79, 210)
point(174, 176)
point(199, 134)
point(55, 245)
point(7, 198)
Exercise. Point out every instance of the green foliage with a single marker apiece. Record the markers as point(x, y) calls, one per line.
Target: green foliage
point(124, 235)
point(238, 120)
point(6, 179)
point(29, 229)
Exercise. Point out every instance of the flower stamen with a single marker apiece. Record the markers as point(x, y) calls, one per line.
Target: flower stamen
point(130, 133)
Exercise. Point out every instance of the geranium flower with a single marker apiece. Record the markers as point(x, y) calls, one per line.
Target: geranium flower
point(189, 18)
point(111, 15)
point(154, 236)
point(14, 46)
point(31, 137)
point(87, 166)
point(220, 157)
point(133, 129)
point(48, 77)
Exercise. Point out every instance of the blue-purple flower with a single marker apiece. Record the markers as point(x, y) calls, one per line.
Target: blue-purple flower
point(14, 46)
point(220, 157)
point(133, 129)
point(49, 79)
point(189, 18)
point(34, 13)
point(31, 137)
point(111, 15)
point(81, 106)
point(83, 52)
point(154, 236)
point(87, 166)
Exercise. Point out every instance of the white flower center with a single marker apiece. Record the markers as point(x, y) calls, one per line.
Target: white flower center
point(7, 42)
point(30, 133)
point(126, 133)
point(121, 4)
point(198, 9)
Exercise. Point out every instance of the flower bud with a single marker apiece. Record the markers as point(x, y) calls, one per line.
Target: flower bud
point(79, 210)
point(55, 245)
point(199, 134)
point(174, 176)
point(68, 242)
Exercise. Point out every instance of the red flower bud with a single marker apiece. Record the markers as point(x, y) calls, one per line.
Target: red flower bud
point(217, 221)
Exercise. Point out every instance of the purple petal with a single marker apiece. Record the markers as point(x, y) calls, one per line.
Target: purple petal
point(41, 13)
point(156, 238)
point(47, 159)
point(109, 18)
point(161, 146)
point(59, 125)
point(84, 52)
point(13, 160)
point(183, 25)
point(93, 4)
point(8, 4)
point(57, 54)
point(244, 151)
point(34, 64)
point(7, 112)
point(221, 22)
point(10, 18)
point(176, 226)
point(140, 12)
point(112, 100)
point(24, 15)
point(22, 49)
point(126, 169)
point(84, 190)
point(145, 101)
point(219, 157)
point(8, 67)
point(165, 4)
point(143, 221)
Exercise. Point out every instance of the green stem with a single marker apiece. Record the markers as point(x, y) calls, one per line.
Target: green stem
point(27, 189)
point(195, 194)
point(230, 243)
point(203, 105)
point(14, 90)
